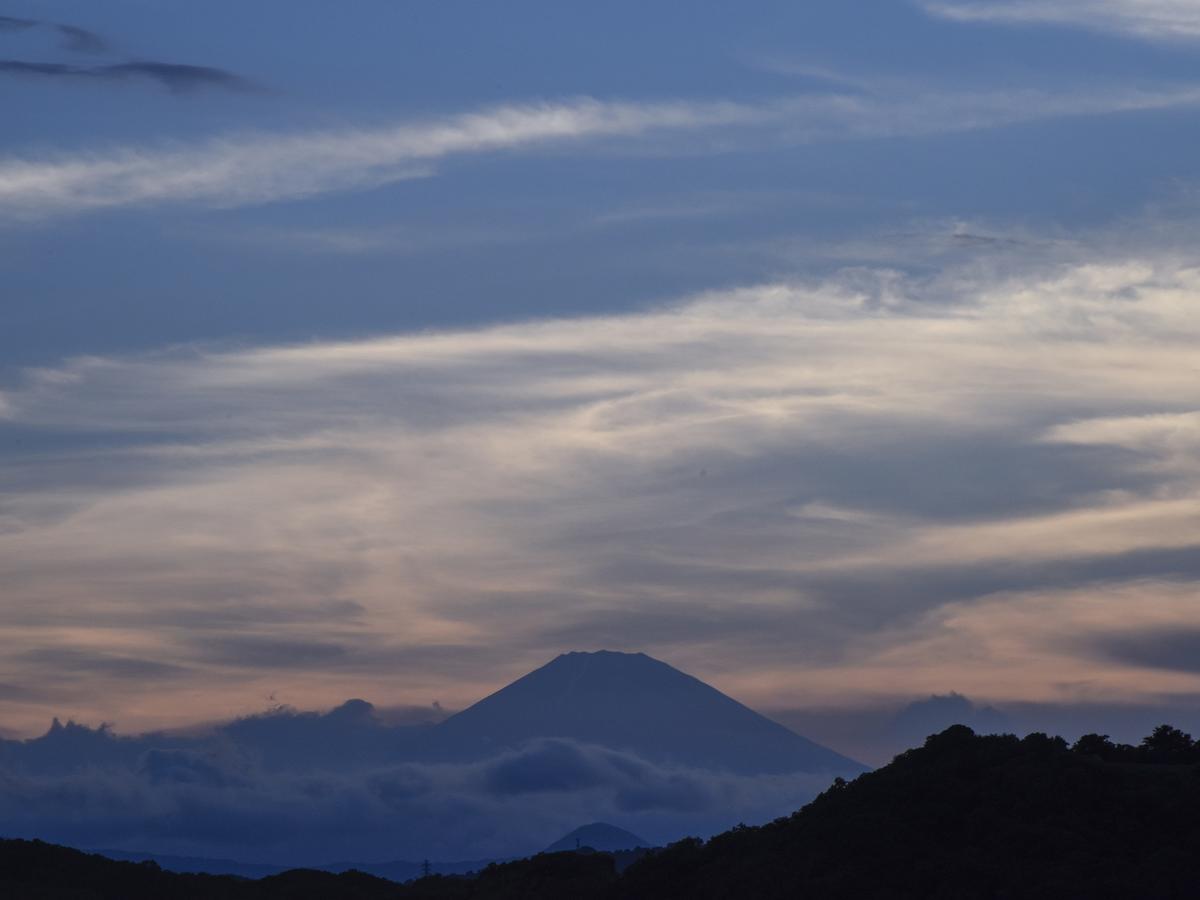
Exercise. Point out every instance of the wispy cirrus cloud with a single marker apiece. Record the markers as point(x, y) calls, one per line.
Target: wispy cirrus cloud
point(11, 23)
point(176, 77)
point(81, 40)
point(72, 37)
point(818, 477)
point(237, 170)
point(1156, 19)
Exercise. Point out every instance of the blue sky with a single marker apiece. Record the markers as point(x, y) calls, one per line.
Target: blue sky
point(831, 350)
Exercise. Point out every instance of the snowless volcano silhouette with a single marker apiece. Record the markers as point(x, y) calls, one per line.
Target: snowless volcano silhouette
point(598, 836)
point(632, 702)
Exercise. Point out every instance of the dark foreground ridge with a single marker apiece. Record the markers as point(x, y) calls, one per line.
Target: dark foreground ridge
point(962, 817)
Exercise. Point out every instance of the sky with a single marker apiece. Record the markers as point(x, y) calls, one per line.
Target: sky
point(837, 352)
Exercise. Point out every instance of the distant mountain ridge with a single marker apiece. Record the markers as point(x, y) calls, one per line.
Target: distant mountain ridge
point(633, 702)
point(598, 836)
point(621, 701)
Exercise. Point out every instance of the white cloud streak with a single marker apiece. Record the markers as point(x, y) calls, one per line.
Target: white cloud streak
point(233, 171)
point(1153, 19)
point(766, 485)
point(250, 169)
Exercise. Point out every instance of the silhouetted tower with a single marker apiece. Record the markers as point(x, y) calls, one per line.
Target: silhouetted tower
point(425, 869)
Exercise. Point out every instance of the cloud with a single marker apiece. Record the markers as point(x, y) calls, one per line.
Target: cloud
point(1164, 443)
point(1156, 19)
point(1171, 648)
point(270, 652)
point(877, 731)
point(177, 78)
point(556, 766)
point(75, 662)
point(80, 40)
point(359, 240)
point(1081, 644)
point(921, 718)
point(836, 487)
point(73, 38)
point(9, 23)
point(238, 170)
point(246, 170)
point(215, 801)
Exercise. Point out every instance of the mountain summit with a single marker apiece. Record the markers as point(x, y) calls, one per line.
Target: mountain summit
point(598, 836)
point(630, 701)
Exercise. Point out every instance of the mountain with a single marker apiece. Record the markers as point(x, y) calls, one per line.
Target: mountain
point(629, 701)
point(598, 836)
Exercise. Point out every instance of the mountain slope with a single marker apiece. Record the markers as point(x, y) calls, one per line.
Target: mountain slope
point(632, 702)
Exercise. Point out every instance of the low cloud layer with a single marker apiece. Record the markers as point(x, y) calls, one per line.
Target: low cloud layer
point(800, 492)
point(237, 170)
point(1156, 19)
point(219, 797)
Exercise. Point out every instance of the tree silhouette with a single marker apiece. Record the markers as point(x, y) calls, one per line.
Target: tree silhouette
point(1169, 745)
point(1095, 745)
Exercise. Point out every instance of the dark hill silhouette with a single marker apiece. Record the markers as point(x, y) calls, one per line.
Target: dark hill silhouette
point(392, 870)
point(33, 870)
point(968, 817)
point(963, 817)
point(202, 865)
point(598, 836)
point(630, 701)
